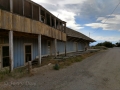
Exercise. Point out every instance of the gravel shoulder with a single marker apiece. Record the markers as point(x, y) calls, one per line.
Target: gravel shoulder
point(98, 72)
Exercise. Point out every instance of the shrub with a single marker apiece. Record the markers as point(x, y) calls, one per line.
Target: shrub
point(56, 67)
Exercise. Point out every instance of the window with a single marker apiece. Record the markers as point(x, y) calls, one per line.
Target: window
point(28, 55)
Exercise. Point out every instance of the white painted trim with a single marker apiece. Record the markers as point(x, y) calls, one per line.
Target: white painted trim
point(31, 52)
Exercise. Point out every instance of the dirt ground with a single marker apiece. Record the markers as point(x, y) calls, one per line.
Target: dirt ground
point(98, 72)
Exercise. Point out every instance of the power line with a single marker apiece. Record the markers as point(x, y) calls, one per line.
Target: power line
point(109, 15)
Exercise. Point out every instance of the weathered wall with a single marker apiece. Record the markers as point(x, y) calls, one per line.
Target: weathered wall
point(18, 23)
point(60, 47)
point(19, 48)
point(70, 46)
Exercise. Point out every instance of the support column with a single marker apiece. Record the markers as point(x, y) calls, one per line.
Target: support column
point(39, 14)
point(23, 7)
point(62, 27)
point(11, 50)
point(45, 21)
point(65, 49)
point(50, 21)
point(39, 49)
point(55, 43)
point(55, 22)
point(32, 11)
point(58, 25)
point(65, 28)
point(66, 38)
point(11, 5)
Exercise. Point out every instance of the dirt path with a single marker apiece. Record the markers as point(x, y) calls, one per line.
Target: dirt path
point(98, 72)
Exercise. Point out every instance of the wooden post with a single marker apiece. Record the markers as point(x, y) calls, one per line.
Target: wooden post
point(29, 67)
point(65, 49)
point(66, 38)
point(11, 5)
point(23, 7)
point(11, 50)
point(65, 28)
point(55, 43)
point(45, 20)
point(58, 25)
point(39, 49)
point(39, 14)
point(55, 22)
point(50, 20)
point(32, 11)
point(62, 27)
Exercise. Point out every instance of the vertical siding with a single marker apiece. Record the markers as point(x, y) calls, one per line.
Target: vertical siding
point(60, 46)
point(44, 47)
point(80, 46)
point(83, 45)
point(19, 50)
point(35, 48)
point(70, 46)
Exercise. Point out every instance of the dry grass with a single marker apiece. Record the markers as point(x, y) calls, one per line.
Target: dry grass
point(17, 73)
point(67, 62)
point(23, 71)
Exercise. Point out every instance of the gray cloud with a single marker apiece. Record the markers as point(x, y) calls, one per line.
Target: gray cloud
point(88, 10)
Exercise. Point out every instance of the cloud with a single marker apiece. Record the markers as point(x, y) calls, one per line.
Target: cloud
point(81, 13)
point(69, 17)
point(111, 38)
point(111, 22)
point(63, 2)
point(61, 9)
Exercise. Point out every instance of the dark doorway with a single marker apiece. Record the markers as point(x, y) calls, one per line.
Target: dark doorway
point(5, 56)
point(28, 55)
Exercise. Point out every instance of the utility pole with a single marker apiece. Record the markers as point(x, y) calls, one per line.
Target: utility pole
point(89, 34)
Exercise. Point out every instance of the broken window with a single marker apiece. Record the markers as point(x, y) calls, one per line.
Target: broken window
point(42, 16)
point(48, 19)
point(28, 9)
point(18, 7)
point(5, 5)
point(35, 12)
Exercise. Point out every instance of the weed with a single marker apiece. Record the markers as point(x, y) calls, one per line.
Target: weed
point(56, 67)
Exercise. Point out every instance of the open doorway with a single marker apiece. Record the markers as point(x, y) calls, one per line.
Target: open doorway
point(75, 46)
point(28, 52)
point(5, 56)
point(49, 47)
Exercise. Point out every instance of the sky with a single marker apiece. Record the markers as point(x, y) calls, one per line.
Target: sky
point(94, 18)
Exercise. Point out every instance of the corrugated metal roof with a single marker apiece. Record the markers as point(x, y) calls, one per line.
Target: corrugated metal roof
point(71, 32)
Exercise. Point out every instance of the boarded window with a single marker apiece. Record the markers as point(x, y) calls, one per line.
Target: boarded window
point(48, 19)
point(35, 12)
point(5, 5)
point(42, 16)
point(53, 22)
point(18, 7)
point(28, 9)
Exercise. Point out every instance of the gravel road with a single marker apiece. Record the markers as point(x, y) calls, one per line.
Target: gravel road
point(98, 72)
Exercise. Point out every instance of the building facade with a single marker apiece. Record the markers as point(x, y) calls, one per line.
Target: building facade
point(28, 31)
